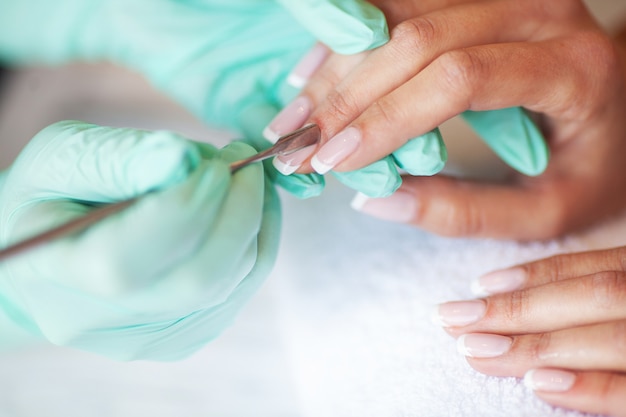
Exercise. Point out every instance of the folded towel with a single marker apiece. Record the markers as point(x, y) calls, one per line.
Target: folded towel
point(355, 300)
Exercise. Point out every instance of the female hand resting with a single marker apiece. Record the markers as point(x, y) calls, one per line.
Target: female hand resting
point(559, 322)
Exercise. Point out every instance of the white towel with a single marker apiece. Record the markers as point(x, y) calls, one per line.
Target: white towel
point(356, 295)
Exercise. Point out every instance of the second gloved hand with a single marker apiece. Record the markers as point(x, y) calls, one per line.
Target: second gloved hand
point(156, 281)
point(227, 62)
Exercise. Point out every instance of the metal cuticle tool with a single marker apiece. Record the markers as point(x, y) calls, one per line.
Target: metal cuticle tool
point(287, 144)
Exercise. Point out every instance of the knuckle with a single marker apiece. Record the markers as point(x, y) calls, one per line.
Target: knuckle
point(341, 105)
point(549, 269)
point(517, 308)
point(608, 289)
point(611, 386)
point(451, 219)
point(413, 34)
point(461, 70)
point(386, 111)
point(540, 348)
point(598, 66)
point(468, 219)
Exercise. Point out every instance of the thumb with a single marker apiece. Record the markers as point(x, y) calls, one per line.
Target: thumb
point(346, 26)
point(82, 161)
point(453, 207)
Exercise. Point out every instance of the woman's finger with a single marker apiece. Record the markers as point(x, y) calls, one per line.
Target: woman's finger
point(593, 347)
point(414, 44)
point(555, 268)
point(479, 78)
point(455, 207)
point(594, 298)
point(591, 392)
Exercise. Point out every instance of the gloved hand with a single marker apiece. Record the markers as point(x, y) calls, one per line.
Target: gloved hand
point(217, 58)
point(156, 281)
point(225, 61)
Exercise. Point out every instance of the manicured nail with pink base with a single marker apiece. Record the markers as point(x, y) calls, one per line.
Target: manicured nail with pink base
point(505, 280)
point(549, 380)
point(399, 207)
point(290, 118)
point(459, 313)
point(308, 65)
point(336, 150)
point(288, 164)
point(482, 345)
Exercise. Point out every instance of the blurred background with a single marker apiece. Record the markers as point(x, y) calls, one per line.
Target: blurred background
point(341, 326)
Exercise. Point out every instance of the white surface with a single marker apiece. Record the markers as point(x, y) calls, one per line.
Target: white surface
point(341, 328)
point(356, 295)
point(243, 373)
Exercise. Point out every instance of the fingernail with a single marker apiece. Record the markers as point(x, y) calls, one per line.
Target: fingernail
point(307, 66)
point(549, 380)
point(336, 150)
point(288, 164)
point(399, 207)
point(499, 281)
point(459, 313)
point(289, 119)
point(481, 345)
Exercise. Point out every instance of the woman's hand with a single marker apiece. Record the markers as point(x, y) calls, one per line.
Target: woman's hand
point(559, 322)
point(551, 58)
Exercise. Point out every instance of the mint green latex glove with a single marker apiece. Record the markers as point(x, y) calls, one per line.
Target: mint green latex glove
point(156, 281)
point(346, 26)
point(225, 61)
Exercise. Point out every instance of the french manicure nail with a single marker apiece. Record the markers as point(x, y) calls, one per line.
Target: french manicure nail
point(307, 66)
point(336, 150)
point(399, 207)
point(288, 164)
point(459, 313)
point(501, 281)
point(289, 119)
point(549, 380)
point(482, 345)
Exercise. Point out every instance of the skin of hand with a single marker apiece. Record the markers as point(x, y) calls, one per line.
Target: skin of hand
point(559, 322)
point(554, 60)
point(156, 281)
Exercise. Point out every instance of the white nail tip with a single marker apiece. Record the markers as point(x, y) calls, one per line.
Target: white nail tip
point(270, 135)
point(284, 168)
point(528, 380)
point(296, 81)
point(359, 201)
point(478, 289)
point(461, 348)
point(319, 166)
point(435, 317)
